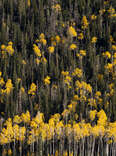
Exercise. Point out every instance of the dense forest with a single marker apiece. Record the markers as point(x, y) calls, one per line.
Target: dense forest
point(58, 77)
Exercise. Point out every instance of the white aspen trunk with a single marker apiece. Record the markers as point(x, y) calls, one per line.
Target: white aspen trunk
point(74, 147)
point(33, 145)
point(107, 149)
point(42, 147)
point(14, 148)
point(37, 148)
point(20, 148)
point(50, 148)
point(83, 141)
point(53, 144)
point(98, 150)
point(80, 149)
point(93, 145)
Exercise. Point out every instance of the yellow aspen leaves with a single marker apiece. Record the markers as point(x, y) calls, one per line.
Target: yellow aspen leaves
point(94, 39)
point(73, 46)
point(81, 54)
point(0, 73)
point(102, 11)
point(8, 87)
point(72, 32)
point(77, 72)
point(32, 89)
point(65, 73)
point(22, 90)
point(47, 80)
point(84, 22)
point(109, 67)
point(114, 47)
point(2, 82)
point(28, 3)
point(36, 50)
point(58, 39)
point(92, 102)
point(9, 152)
point(17, 119)
point(24, 62)
point(9, 48)
point(111, 10)
point(107, 54)
point(80, 36)
point(25, 117)
point(37, 61)
point(92, 114)
point(93, 17)
point(67, 80)
point(102, 118)
point(42, 39)
point(56, 7)
point(51, 49)
point(42, 36)
point(3, 47)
